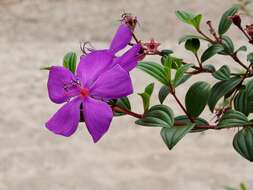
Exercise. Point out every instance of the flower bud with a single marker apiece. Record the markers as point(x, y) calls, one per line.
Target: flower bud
point(236, 20)
point(249, 30)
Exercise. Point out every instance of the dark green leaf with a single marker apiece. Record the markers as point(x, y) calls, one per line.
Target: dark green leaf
point(232, 118)
point(165, 52)
point(198, 121)
point(197, 97)
point(123, 103)
point(209, 67)
point(48, 68)
point(223, 73)
point(243, 143)
point(211, 51)
point(179, 76)
point(157, 116)
point(220, 89)
point(242, 102)
point(155, 70)
point(163, 93)
point(250, 58)
point(228, 45)
point(69, 61)
point(225, 22)
point(171, 136)
point(173, 61)
point(192, 45)
point(189, 37)
point(146, 96)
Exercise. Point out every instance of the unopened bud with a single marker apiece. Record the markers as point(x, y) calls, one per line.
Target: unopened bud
point(236, 20)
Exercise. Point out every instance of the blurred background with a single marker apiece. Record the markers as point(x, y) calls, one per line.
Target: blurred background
point(36, 33)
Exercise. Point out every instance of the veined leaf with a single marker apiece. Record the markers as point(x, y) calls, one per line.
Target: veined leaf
point(163, 93)
point(157, 116)
point(211, 51)
point(225, 22)
point(180, 74)
point(228, 45)
point(243, 143)
point(220, 89)
point(197, 97)
point(192, 45)
point(155, 70)
point(171, 136)
point(232, 118)
point(146, 96)
point(69, 61)
point(223, 73)
point(198, 121)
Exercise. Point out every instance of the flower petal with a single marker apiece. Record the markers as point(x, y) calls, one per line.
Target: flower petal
point(114, 83)
point(98, 116)
point(58, 78)
point(122, 37)
point(65, 120)
point(92, 65)
point(129, 60)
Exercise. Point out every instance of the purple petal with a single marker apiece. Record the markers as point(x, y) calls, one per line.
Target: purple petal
point(129, 60)
point(60, 77)
point(114, 83)
point(92, 65)
point(65, 120)
point(122, 37)
point(98, 116)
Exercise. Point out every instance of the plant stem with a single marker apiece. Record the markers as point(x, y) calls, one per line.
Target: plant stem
point(123, 110)
point(181, 105)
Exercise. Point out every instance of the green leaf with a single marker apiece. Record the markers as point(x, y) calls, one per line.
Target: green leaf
point(243, 143)
point(123, 103)
point(163, 93)
point(185, 17)
point(232, 118)
point(209, 67)
point(196, 21)
point(225, 22)
point(243, 186)
point(197, 97)
point(242, 48)
point(198, 121)
point(171, 136)
point(211, 51)
point(173, 61)
point(192, 45)
point(179, 76)
point(155, 70)
point(228, 45)
point(157, 116)
point(250, 58)
point(242, 102)
point(146, 96)
point(189, 18)
point(69, 61)
point(165, 52)
point(189, 37)
point(223, 73)
point(220, 89)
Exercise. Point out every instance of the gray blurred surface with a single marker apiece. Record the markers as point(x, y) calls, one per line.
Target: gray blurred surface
point(38, 33)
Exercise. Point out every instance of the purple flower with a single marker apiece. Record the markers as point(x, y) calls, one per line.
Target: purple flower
point(121, 39)
point(98, 78)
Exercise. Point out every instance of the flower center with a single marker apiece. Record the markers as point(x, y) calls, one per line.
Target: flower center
point(84, 92)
